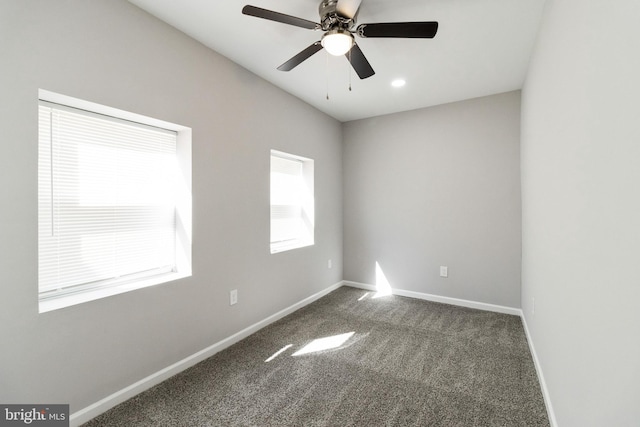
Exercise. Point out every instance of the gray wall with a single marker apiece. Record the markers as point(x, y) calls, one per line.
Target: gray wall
point(581, 210)
point(110, 52)
point(437, 186)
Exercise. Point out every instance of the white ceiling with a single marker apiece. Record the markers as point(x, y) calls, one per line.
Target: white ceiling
point(482, 48)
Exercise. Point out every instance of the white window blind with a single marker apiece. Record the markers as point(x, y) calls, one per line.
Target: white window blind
point(291, 202)
point(106, 200)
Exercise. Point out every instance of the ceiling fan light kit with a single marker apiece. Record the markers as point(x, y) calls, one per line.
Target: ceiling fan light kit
point(337, 42)
point(338, 22)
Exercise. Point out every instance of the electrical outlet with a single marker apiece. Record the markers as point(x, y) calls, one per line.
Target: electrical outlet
point(444, 271)
point(233, 297)
point(329, 265)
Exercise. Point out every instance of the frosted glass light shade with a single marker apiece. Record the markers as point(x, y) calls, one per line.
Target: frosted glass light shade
point(337, 42)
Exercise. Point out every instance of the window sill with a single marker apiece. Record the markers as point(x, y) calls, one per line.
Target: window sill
point(277, 248)
point(57, 302)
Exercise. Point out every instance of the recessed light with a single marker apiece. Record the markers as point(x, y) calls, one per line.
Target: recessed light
point(398, 83)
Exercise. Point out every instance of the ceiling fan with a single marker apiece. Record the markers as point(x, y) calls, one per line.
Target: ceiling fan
point(338, 22)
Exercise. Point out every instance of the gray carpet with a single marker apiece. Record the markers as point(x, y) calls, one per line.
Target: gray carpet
point(408, 363)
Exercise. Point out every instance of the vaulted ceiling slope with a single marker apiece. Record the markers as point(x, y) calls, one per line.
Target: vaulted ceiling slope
point(482, 47)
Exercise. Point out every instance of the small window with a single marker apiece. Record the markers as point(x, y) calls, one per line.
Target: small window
point(292, 202)
point(112, 215)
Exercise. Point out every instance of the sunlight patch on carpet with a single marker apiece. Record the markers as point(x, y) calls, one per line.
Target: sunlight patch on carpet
point(277, 353)
point(327, 343)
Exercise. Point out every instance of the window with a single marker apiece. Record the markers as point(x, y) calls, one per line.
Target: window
point(114, 207)
point(292, 202)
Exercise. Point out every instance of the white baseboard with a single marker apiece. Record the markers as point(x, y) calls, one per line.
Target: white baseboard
point(95, 409)
point(441, 299)
point(543, 384)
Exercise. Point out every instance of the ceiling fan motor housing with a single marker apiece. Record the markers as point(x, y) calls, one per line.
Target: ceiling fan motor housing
point(330, 17)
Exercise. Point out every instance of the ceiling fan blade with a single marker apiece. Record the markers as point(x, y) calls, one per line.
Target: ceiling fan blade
point(279, 17)
point(302, 56)
point(348, 8)
point(411, 30)
point(359, 62)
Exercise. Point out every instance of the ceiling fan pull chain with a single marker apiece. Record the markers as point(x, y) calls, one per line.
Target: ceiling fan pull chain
point(349, 68)
point(327, 74)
